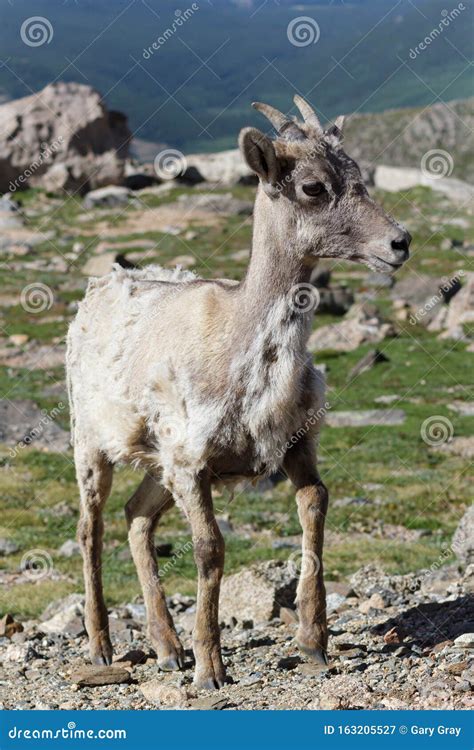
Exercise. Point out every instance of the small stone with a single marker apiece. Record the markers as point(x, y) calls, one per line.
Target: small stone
point(70, 548)
point(393, 636)
point(8, 626)
point(7, 547)
point(311, 669)
point(209, 703)
point(335, 602)
point(156, 691)
point(466, 640)
point(18, 339)
point(92, 676)
point(457, 668)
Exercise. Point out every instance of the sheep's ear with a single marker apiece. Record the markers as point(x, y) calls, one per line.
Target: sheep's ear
point(335, 130)
point(259, 153)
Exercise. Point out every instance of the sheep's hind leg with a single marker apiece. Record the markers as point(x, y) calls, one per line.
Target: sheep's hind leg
point(143, 511)
point(94, 476)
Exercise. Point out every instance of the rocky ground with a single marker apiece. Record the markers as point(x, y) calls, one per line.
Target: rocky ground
point(395, 642)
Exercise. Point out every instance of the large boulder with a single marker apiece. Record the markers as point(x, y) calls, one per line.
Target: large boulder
point(363, 324)
point(62, 137)
point(394, 179)
point(226, 167)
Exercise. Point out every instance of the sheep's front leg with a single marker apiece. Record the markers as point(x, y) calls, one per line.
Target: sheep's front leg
point(208, 546)
point(312, 501)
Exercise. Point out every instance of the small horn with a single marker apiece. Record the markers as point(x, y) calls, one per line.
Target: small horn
point(288, 129)
point(339, 122)
point(309, 115)
point(277, 118)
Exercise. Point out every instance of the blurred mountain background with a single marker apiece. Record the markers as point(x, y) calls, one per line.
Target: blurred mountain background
point(193, 92)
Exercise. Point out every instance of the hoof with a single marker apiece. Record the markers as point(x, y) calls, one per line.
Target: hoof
point(171, 663)
point(316, 655)
point(209, 683)
point(102, 659)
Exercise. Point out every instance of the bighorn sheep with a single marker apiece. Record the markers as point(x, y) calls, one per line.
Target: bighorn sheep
point(198, 381)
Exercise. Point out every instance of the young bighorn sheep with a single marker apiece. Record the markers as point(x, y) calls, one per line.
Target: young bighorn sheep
point(198, 381)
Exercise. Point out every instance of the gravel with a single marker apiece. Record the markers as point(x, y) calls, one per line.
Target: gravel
point(416, 652)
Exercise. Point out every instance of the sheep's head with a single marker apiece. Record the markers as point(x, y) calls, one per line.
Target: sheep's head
point(318, 189)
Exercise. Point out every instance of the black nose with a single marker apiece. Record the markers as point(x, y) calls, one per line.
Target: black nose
point(402, 243)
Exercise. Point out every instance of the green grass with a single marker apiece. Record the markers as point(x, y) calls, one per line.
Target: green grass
point(418, 487)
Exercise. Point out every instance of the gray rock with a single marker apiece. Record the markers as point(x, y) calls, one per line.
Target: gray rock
point(363, 324)
point(23, 423)
point(92, 676)
point(70, 548)
point(366, 418)
point(466, 640)
point(463, 539)
point(394, 179)
point(8, 547)
point(258, 592)
point(219, 203)
point(110, 196)
point(225, 167)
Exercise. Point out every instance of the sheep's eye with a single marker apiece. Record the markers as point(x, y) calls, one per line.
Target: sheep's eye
point(314, 188)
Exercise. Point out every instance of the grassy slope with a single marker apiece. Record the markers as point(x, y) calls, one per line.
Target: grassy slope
point(419, 488)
